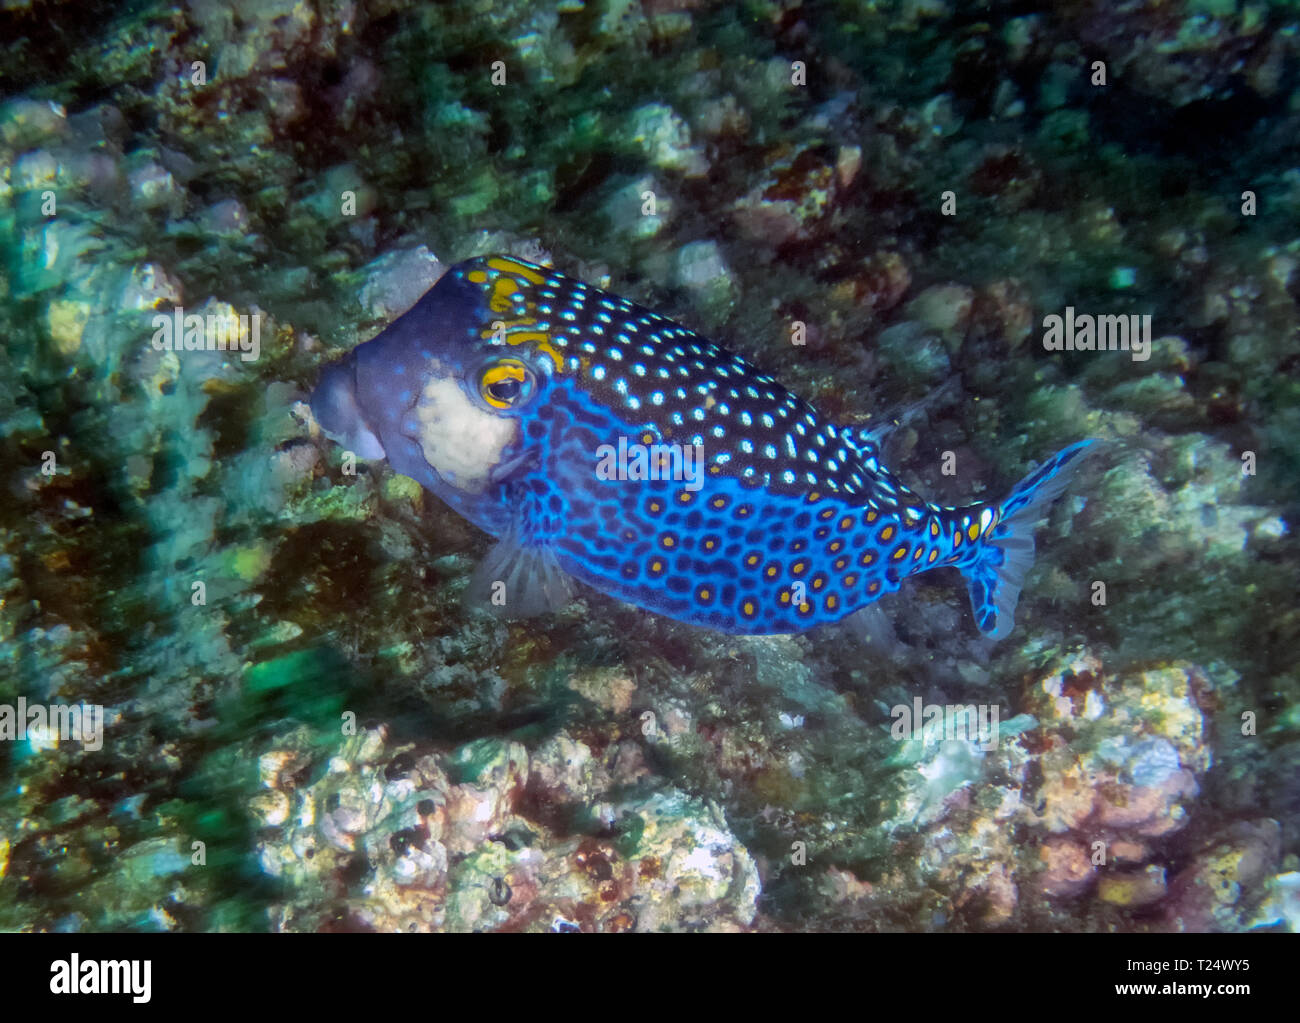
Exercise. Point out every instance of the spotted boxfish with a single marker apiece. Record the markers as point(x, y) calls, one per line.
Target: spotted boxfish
point(601, 441)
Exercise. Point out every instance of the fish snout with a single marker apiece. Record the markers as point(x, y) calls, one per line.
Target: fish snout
point(334, 404)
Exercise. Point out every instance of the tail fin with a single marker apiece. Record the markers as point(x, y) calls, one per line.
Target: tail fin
point(995, 567)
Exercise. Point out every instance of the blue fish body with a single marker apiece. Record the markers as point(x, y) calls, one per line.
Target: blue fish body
point(599, 440)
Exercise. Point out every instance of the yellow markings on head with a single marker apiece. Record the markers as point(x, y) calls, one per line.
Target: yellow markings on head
point(916, 555)
point(629, 534)
point(748, 609)
point(868, 558)
point(704, 593)
point(973, 531)
point(826, 513)
point(709, 543)
point(647, 438)
point(656, 566)
point(546, 348)
point(752, 559)
point(956, 539)
point(850, 580)
point(805, 608)
point(798, 545)
point(799, 567)
point(814, 497)
point(517, 333)
point(506, 265)
point(654, 506)
point(477, 277)
point(840, 563)
point(784, 597)
point(714, 469)
point(887, 533)
point(514, 327)
point(873, 587)
point(934, 527)
point(719, 502)
point(846, 523)
point(685, 497)
point(933, 555)
point(504, 292)
point(871, 517)
point(818, 582)
point(743, 511)
point(832, 602)
point(668, 541)
point(834, 546)
point(900, 552)
point(771, 570)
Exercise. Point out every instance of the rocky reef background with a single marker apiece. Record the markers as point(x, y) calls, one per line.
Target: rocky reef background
point(333, 741)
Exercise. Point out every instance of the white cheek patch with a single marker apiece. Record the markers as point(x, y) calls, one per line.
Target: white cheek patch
point(461, 441)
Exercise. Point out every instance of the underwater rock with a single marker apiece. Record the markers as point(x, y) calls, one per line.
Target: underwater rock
point(1282, 907)
point(1103, 769)
point(26, 122)
point(1133, 888)
point(791, 203)
point(1067, 870)
point(395, 281)
point(639, 209)
point(701, 269)
point(152, 185)
point(914, 351)
point(487, 837)
point(1134, 775)
point(665, 139)
point(1181, 53)
point(944, 308)
point(1223, 887)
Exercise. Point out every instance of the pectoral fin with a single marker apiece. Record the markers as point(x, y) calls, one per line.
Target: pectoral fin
point(521, 575)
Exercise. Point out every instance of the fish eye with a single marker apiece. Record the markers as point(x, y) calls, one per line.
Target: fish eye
point(506, 383)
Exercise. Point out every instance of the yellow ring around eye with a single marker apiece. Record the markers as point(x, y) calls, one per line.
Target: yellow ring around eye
point(506, 369)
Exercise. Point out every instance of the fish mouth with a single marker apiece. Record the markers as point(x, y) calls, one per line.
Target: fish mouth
point(334, 404)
